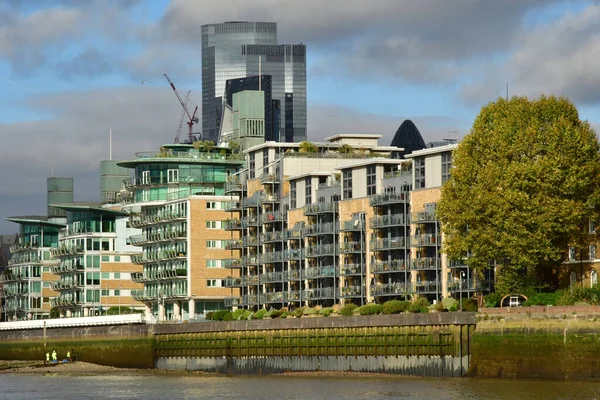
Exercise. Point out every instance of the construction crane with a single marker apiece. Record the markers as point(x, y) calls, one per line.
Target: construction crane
point(187, 97)
point(192, 118)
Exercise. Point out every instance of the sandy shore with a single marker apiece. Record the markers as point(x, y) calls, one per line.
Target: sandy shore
point(36, 367)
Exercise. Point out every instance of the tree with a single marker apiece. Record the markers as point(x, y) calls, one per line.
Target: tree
point(345, 149)
point(308, 147)
point(525, 182)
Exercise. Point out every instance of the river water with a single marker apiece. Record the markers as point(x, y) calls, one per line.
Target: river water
point(151, 387)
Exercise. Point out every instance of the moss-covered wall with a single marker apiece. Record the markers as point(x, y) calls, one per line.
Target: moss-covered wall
point(537, 346)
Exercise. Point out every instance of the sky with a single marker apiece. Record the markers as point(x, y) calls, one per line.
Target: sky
point(71, 70)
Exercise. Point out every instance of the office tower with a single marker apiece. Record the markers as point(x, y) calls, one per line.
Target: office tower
point(233, 50)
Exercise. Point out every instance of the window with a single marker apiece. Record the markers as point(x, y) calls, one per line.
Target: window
point(117, 275)
point(213, 283)
point(592, 227)
point(420, 172)
point(145, 177)
point(571, 254)
point(172, 175)
point(308, 190)
point(105, 258)
point(592, 251)
point(347, 183)
point(117, 258)
point(213, 224)
point(213, 263)
point(117, 292)
point(265, 160)
point(105, 292)
point(446, 166)
point(105, 275)
point(293, 194)
point(215, 244)
point(593, 278)
point(213, 205)
point(371, 180)
point(252, 166)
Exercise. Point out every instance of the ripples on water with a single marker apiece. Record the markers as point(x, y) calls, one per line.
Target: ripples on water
point(284, 388)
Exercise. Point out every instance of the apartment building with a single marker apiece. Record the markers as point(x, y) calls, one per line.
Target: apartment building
point(176, 197)
point(27, 280)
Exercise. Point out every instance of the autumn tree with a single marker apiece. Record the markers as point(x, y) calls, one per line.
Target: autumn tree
point(525, 182)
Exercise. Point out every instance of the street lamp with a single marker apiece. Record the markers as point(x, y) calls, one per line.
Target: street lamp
point(462, 276)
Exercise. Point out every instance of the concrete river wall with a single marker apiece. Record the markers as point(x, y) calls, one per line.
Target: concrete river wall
point(407, 344)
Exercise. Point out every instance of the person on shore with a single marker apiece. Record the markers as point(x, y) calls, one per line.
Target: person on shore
point(47, 358)
point(54, 359)
point(69, 355)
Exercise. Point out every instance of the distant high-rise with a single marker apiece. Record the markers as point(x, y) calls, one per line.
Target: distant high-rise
point(233, 50)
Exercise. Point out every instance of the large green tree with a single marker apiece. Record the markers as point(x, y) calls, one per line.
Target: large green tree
point(525, 182)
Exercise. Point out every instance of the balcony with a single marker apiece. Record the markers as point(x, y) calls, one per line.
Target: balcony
point(10, 277)
point(155, 295)
point(380, 267)
point(389, 198)
point(351, 269)
point(66, 302)
point(159, 275)
point(427, 287)
point(317, 294)
point(231, 206)
point(25, 258)
point(426, 240)
point(462, 263)
point(320, 229)
point(140, 221)
point(65, 285)
point(292, 234)
point(250, 241)
point(320, 208)
point(269, 198)
point(427, 263)
point(269, 178)
point(250, 260)
point(469, 285)
point(231, 263)
point(390, 289)
point(64, 268)
point(351, 291)
point(291, 275)
point(162, 255)
point(249, 221)
point(232, 301)
point(292, 254)
point(272, 257)
point(233, 225)
point(17, 247)
point(232, 244)
point(292, 295)
point(250, 299)
point(271, 297)
point(273, 216)
point(64, 250)
point(270, 277)
point(423, 217)
point(351, 247)
point(233, 186)
point(396, 243)
point(232, 282)
point(318, 272)
point(157, 237)
point(322, 250)
point(353, 226)
point(251, 202)
point(389, 220)
point(269, 237)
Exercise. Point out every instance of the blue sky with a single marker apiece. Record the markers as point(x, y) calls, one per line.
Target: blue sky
point(70, 70)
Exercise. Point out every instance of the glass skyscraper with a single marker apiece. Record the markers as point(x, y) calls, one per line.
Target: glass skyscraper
point(232, 50)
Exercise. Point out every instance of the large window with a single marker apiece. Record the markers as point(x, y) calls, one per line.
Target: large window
point(292, 194)
point(446, 166)
point(347, 183)
point(308, 190)
point(419, 172)
point(371, 180)
point(252, 167)
point(265, 160)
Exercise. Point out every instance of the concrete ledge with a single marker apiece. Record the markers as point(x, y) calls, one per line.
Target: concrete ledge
point(455, 318)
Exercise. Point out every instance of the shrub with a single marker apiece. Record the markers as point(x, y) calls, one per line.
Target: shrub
point(469, 305)
point(298, 312)
point(325, 311)
point(453, 308)
point(228, 316)
point(116, 310)
point(218, 315)
point(439, 307)
point(309, 311)
point(284, 315)
point(371, 309)
point(543, 299)
point(272, 314)
point(395, 307)
point(492, 300)
point(348, 309)
point(420, 305)
point(260, 314)
point(209, 315)
point(246, 315)
point(238, 313)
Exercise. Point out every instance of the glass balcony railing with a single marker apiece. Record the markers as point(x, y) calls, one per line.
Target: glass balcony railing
point(356, 225)
point(273, 216)
point(423, 217)
point(389, 220)
point(379, 267)
point(390, 289)
point(352, 247)
point(321, 208)
point(269, 178)
point(425, 263)
point(320, 229)
point(389, 198)
point(318, 272)
point(351, 291)
point(322, 250)
point(426, 240)
point(351, 269)
point(389, 244)
point(318, 294)
point(270, 277)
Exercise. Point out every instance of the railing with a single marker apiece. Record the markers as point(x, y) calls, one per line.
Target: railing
point(351, 269)
point(231, 263)
point(321, 208)
point(468, 285)
point(152, 295)
point(333, 184)
point(125, 319)
point(191, 155)
point(389, 244)
point(428, 239)
point(250, 299)
point(427, 287)
point(64, 285)
point(388, 266)
point(291, 275)
point(66, 251)
point(389, 220)
point(396, 173)
point(164, 255)
point(269, 198)
point(233, 187)
point(426, 263)
point(250, 260)
point(233, 224)
point(352, 226)
point(138, 221)
point(16, 247)
point(321, 293)
point(269, 277)
point(321, 250)
point(269, 178)
point(63, 268)
point(423, 217)
point(233, 206)
point(271, 297)
point(66, 301)
point(250, 241)
point(462, 263)
point(292, 254)
point(274, 236)
point(389, 198)
point(320, 229)
point(232, 301)
point(158, 236)
point(251, 220)
point(351, 247)
point(233, 244)
point(158, 275)
point(390, 289)
point(253, 201)
point(291, 234)
point(276, 216)
point(275, 256)
point(319, 272)
point(25, 258)
point(351, 291)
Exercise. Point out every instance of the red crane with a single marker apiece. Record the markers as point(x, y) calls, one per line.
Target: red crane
point(187, 97)
point(192, 118)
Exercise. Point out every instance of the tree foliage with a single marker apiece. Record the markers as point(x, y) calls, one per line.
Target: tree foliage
point(525, 182)
point(308, 147)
